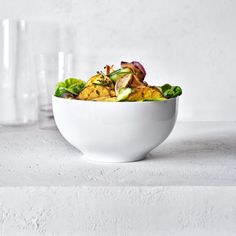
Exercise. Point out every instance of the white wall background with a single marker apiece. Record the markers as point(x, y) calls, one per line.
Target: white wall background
point(189, 43)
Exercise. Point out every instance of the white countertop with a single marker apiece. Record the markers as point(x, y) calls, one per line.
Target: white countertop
point(47, 188)
point(195, 154)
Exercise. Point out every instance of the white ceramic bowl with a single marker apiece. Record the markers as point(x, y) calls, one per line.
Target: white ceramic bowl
point(114, 131)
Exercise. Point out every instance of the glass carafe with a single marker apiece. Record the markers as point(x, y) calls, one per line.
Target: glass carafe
point(18, 98)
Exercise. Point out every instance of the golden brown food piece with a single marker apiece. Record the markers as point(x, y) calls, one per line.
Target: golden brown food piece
point(105, 99)
point(112, 92)
point(147, 93)
point(100, 79)
point(95, 91)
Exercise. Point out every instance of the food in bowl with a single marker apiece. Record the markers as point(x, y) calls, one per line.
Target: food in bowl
point(124, 84)
point(115, 116)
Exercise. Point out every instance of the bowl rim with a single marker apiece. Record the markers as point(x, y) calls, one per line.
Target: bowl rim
point(111, 102)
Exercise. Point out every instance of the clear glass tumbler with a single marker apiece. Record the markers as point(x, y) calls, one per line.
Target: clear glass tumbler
point(18, 98)
point(50, 68)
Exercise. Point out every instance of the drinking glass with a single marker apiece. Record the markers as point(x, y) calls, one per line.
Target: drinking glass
point(50, 68)
point(18, 99)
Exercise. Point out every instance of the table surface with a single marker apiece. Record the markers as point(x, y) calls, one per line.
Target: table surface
point(195, 154)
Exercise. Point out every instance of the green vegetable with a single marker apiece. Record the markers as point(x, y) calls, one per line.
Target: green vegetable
point(177, 91)
point(165, 87)
point(171, 91)
point(60, 89)
point(124, 93)
point(71, 85)
point(117, 74)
